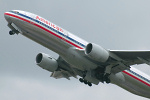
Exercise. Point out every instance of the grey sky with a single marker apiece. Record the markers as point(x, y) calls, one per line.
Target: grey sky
point(113, 24)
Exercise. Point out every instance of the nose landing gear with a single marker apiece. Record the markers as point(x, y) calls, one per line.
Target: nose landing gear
point(14, 29)
point(11, 32)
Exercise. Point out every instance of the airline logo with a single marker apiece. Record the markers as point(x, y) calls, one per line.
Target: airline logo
point(44, 24)
point(49, 23)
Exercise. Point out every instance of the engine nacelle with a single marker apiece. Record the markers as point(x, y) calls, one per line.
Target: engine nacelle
point(96, 52)
point(46, 62)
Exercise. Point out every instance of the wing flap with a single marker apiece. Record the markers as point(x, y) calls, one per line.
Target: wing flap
point(62, 74)
point(65, 70)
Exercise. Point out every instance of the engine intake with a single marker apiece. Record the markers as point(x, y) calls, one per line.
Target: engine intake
point(96, 52)
point(46, 62)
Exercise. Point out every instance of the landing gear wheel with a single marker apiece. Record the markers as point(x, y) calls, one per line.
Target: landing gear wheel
point(106, 78)
point(85, 82)
point(81, 80)
point(11, 33)
point(108, 81)
point(90, 84)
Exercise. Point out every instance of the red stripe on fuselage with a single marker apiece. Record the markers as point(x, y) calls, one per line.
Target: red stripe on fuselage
point(136, 78)
point(44, 29)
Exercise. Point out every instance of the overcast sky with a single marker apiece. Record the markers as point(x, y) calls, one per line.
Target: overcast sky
point(113, 24)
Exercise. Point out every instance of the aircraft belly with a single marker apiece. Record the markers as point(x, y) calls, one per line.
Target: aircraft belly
point(78, 61)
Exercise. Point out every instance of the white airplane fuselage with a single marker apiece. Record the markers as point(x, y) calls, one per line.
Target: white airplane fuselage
point(65, 44)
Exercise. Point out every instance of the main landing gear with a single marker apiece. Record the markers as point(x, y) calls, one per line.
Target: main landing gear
point(106, 78)
point(102, 75)
point(85, 82)
point(107, 73)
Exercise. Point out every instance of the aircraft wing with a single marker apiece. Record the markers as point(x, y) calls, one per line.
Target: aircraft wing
point(125, 59)
point(133, 57)
point(128, 58)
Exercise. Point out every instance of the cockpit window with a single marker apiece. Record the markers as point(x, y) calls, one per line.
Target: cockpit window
point(15, 12)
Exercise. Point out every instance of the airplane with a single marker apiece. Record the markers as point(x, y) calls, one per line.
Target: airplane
point(79, 58)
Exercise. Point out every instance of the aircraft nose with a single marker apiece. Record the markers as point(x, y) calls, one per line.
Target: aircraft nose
point(7, 17)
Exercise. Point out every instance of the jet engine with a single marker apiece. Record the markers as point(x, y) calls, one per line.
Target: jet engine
point(96, 52)
point(46, 62)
